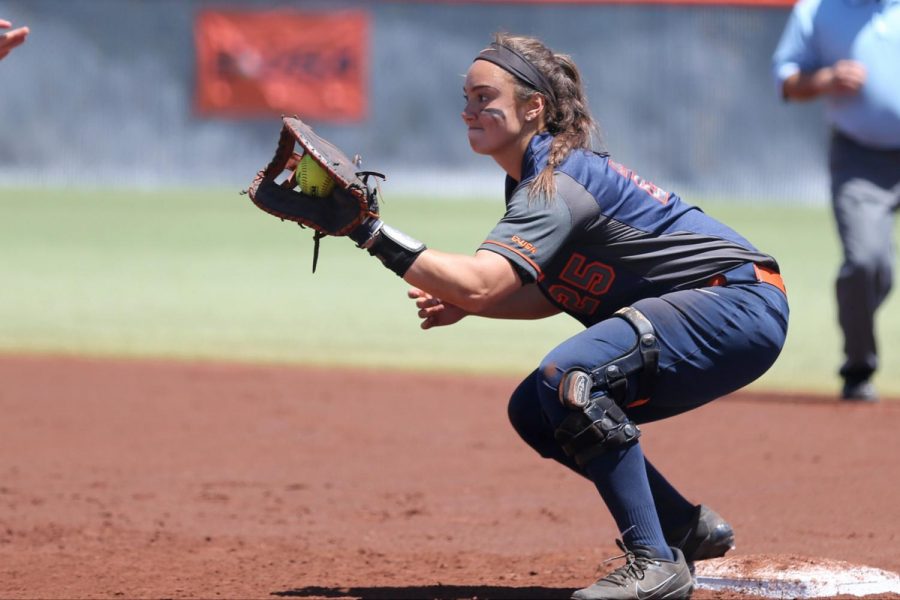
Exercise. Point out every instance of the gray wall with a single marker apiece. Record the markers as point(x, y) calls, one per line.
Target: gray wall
point(103, 92)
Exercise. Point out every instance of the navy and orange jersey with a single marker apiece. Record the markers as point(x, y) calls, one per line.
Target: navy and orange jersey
point(609, 238)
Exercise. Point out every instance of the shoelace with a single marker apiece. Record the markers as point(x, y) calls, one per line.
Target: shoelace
point(632, 569)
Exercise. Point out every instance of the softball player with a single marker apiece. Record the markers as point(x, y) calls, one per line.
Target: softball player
point(678, 308)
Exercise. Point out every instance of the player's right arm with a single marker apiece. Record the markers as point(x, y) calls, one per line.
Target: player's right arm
point(499, 280)
point(528, 302)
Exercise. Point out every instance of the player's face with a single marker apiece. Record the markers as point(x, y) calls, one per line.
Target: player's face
point(495, 120)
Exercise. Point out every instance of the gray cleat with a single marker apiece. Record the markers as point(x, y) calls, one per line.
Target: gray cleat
point(642, 577)
point(707, 535)
point(858, 390)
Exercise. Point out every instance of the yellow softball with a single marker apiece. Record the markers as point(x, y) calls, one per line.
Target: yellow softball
point(312, 178)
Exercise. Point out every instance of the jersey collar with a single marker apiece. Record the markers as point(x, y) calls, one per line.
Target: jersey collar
point(534, 159)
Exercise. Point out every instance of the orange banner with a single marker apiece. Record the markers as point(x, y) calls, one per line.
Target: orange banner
point(256, 63)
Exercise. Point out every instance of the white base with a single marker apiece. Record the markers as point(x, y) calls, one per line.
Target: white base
point(792, 577)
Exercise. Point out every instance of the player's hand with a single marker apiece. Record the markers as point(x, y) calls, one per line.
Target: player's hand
point(11, 39)
point(433, 311)
point(846, 78)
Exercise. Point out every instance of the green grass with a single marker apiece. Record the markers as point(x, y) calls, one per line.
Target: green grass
point(205, 275)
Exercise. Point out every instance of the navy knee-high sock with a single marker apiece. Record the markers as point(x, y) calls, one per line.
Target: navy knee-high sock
point(621, 478)
point(674, 510)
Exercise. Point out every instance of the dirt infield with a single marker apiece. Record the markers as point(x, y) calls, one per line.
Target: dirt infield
point(130, 479)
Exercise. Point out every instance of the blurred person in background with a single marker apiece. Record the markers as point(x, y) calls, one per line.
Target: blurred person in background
point(11, 39)
point(848, 53)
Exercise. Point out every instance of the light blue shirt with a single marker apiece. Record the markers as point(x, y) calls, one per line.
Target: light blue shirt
point(822, 32)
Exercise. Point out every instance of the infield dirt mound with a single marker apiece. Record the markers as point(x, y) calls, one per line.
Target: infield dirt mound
point(142, 479)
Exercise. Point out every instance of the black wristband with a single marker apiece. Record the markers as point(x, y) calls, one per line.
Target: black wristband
point(396, 250)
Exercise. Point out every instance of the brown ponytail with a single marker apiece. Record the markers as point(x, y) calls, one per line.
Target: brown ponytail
point(566, 117)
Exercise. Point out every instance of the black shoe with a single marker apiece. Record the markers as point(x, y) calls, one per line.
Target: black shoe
point(642, 577)
point(707, 535)
point(858, 390)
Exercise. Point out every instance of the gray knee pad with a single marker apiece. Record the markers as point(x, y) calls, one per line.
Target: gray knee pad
point(595, 424)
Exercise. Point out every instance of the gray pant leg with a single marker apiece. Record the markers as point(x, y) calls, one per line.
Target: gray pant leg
point(865, 189)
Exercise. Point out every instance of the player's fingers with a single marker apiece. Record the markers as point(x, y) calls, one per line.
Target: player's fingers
point(427, 311)
point(850, 70)
point(11, 39)
point(17, 35)
point(851, 77)
point(4, 24)
point(417, 293)
point(857, 79)
point(428, 302)
point(7, 46)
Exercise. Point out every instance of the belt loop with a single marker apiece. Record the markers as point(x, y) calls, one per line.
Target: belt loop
point(769, 276)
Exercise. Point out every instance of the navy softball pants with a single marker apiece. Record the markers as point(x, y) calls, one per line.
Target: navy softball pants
point(713, 341)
